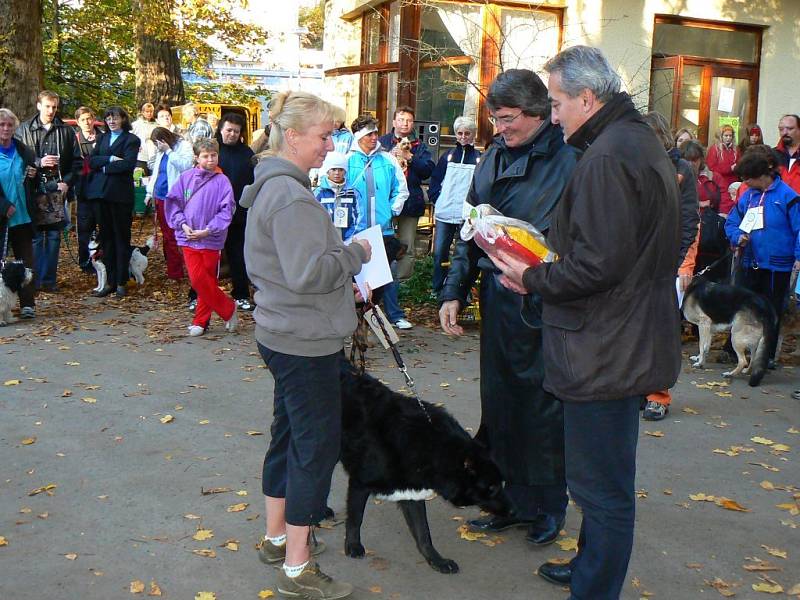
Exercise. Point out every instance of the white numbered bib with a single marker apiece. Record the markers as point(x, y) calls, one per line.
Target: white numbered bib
point(340, 217)
point(753, 219)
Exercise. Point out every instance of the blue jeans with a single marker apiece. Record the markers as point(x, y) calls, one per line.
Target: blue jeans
point(600, 449)
point(46, 245)
point(441, 252)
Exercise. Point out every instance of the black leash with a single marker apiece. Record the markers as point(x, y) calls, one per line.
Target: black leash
point(712, 265)
point(395, 352)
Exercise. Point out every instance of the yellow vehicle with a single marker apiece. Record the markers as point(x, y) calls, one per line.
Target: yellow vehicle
point(251, 113)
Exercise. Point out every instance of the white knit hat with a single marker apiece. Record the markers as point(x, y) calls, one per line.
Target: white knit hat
point(334, 160)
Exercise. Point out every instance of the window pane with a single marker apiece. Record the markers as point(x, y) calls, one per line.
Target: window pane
point(529, 38)
point(662, 83)
point(450, 29)
point(442, 95)
point(671, 40)
point(372, 37)
point(730, 105)
point(369, 93)
point(394, 31)
point(689, 99)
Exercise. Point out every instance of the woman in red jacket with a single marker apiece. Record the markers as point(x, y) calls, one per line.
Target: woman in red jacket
point(722, 159)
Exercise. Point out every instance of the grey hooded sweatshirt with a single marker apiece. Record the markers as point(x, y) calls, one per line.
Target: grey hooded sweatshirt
point(297, 261)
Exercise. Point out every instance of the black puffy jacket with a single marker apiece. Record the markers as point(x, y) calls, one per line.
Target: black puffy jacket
point(60, 139)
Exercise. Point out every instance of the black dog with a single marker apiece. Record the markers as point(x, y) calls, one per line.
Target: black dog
point(393, 449)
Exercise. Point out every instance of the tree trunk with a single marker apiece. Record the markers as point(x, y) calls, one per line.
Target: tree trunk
point(158, 69)
point(21, 60)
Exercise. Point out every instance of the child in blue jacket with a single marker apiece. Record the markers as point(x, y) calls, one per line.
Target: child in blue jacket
point(339, 200)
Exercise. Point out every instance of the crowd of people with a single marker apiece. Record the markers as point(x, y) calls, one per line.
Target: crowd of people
point(579, 345)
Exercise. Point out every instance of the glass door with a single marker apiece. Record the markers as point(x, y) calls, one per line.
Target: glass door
point(702, 95)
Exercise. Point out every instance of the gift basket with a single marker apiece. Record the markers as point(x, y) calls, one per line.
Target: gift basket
point(492, 231)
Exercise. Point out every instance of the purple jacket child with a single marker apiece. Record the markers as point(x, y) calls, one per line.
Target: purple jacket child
point(202, 200)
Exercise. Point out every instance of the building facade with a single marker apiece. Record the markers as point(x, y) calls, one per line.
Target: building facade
point(705, 64)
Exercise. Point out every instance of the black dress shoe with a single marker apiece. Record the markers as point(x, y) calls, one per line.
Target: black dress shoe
point(544, 530)
point(558, 574)
point(494, 524)
point(103, 293)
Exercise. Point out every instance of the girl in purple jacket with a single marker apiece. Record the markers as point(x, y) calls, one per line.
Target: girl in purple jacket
point(199, 207)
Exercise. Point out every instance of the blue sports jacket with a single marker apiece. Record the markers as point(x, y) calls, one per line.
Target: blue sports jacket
point(391, 191)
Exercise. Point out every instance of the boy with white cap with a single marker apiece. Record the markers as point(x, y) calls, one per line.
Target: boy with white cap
point(339, 200)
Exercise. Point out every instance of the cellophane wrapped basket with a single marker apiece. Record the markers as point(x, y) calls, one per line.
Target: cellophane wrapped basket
point(492, 231)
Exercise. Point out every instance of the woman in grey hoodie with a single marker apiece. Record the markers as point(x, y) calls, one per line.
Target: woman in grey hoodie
point(305, 308)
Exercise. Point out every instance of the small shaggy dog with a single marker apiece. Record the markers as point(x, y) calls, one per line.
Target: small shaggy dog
point(391, 448)
point(13, 276)
point(136, 266)
point(403, 153)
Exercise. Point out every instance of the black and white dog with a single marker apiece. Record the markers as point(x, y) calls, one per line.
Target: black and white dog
point(391, 448)
point(13, 276)
point(136, 266)
point(750, 318)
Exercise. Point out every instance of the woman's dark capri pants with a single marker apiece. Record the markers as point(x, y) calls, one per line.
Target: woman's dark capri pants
point(306, 433)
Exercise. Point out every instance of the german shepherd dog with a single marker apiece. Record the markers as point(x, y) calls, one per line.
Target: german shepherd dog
point(394, 449)
point(748, 316)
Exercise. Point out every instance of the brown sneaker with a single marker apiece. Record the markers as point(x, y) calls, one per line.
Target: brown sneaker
point(270, 554)
point(312, 584)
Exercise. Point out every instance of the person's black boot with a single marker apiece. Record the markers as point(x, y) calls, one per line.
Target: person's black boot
point(558, 574)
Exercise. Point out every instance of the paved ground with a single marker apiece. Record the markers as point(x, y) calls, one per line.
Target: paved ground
point(97, 379)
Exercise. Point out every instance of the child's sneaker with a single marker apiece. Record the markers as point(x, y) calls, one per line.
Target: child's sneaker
point(196, 330)
point(270, 554)
point(232, 323)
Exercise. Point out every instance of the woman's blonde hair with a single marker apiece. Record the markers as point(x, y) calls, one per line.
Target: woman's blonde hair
point(298, 111)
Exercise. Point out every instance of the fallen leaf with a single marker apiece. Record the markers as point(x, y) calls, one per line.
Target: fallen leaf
point(3, 541)
point(654, 433)
point(203, 422)
point(255, 433)
point(137, 586)
point(780, 448)
point(794, 591)
point(567, 544)
point(214, 490)
point(723, 587)
point(689, 411)
point(729, 504)
point(205, 596)
point(376, 589)
point(775, 551)
point(696, 566)
point(468, 535)
point(793, 430)
point(89, 400)
point(767, 485)
point(28, 441)
point(155, 590)
point(765, 465)
point(191, 516)
point(724, 394)
point(45, 488)
point(66, 393)
point(265, 594)
point(792, 507)
point(702, 497)
point(167, 419)
point(25, 510)
point(71, 556)
point(43, 515)
point(207, 552)
point(232, 545)
point(237, 507)
point(760, 565)
point(768, 588)
point(241, 493)
point(72, 363)
point(761, 440)
point(203, 534)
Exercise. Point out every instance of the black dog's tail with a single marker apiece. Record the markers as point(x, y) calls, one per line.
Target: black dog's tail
point(760, 359)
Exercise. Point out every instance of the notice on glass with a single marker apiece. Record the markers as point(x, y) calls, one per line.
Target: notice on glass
point(726, 99)
point(376, 272)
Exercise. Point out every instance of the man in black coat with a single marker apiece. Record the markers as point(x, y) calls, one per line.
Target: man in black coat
point(236, 162)
point(58, 162)
point(522, 174)
point(611, 322)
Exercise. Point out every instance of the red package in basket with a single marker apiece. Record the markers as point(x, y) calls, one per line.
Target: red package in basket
point(492, 231)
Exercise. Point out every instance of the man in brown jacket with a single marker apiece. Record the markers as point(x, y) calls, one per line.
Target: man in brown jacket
point(611, 322)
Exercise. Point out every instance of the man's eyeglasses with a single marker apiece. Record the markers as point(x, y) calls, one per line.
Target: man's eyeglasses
point(504, 120)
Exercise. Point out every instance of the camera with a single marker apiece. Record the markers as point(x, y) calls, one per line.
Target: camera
point(48, 186)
